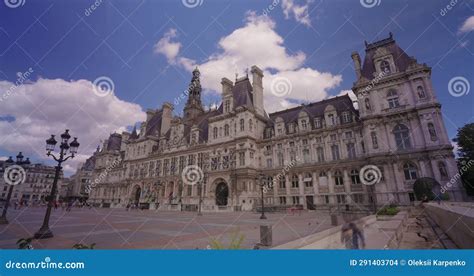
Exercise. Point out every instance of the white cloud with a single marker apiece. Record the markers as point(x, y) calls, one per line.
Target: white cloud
point(168, 48)
point(468, 25)
point(49, 106)
point(299, 12)
point(257, 43)
point(3, 158)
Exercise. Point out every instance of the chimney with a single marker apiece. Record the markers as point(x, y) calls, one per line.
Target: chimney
point(226, 87)
point(149, 114)
point(356, 59)
point(166, 117)
point(257, 85)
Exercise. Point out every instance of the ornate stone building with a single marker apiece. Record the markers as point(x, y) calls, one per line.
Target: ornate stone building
point(311, 155)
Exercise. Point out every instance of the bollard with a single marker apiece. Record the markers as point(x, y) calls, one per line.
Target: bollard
point(333, 219)
point(266, 235)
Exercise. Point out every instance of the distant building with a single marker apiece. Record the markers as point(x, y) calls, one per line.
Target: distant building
point(36, 186)
point(311, 155)
point(81, 180)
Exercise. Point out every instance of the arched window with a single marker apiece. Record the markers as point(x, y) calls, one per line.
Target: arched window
point(355, 179)
point(250, 125)
point(214, 132)
point(411, 173)
point(443, 172)
point(432, 131)
point(304, 125)
point(375, 143)
point(294, 181)
point(421, 92)
point(392, 99)
point(242, 124)
point(335, 152)
point(338, 179)
point(226, 130)
point(367, 103)
point(402, 137)
point(322, 174)
point(385, 67)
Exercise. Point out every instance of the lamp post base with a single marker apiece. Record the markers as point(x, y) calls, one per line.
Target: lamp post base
point(263, 216)
point(44, 233)
point(3, 220)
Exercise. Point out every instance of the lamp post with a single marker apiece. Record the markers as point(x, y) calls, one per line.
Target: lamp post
point(204, 179)
point(44, 232)
point(10, 162)
point(262, 183)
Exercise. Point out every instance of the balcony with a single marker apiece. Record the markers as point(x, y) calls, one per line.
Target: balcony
point(308, 190)
point(323, 190)
point(294, 191)
point(282, 191)
point(339, 189)
point(356, 188)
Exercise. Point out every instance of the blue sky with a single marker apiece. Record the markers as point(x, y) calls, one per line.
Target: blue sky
point(68, 45)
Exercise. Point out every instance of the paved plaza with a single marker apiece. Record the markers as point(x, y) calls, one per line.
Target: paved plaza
point(118, 228)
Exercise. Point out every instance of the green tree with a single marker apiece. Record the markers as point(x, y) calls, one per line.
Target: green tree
point(465, 140)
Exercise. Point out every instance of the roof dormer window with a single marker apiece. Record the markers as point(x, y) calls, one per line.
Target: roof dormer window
point(385, 67)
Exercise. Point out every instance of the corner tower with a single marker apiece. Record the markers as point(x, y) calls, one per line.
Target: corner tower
point(193, 106)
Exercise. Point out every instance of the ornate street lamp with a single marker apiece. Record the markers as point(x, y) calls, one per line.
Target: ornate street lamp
point(261, 178)
point(13, 174)
point(44, 232)
point(204, 180)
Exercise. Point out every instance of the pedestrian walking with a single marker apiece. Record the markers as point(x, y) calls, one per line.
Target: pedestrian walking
point(351, 236)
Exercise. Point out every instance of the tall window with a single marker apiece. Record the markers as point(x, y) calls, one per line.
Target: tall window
point(320, 153)
point(375, 143)
point(242, 124)
point(355, 179)
point(242, 158)
point(443, 172)
point(269, 163)
point(367, 104)
point(317, 123)
point(282, 182)
point(308, 180)
point(226, 130)
point(281, 160)
point(351, 152)
point(250, 125)
point(332, 120)
point(338, 179)
point(410, 171)
point(214, 132)
point(346, 117)
point(402, 137)
point(306, 156)
point(392, 98)
point(335, 152)
point(432, 131)
point(227, 106)
point(385, 67)
point(304, 125)
point(294, 181)
point(421, 92)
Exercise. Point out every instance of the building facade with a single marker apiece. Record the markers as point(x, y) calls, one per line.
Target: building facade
point(36, 185)
point(310, 156)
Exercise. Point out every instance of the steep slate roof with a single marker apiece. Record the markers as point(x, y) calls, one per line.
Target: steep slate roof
point(89, 164)
point(243, 93)
point(401, 59)
point(316, 109)
point(154, 125)
point(114, 142)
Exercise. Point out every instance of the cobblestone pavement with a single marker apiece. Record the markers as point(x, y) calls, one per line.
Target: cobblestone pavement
point(118, 228)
